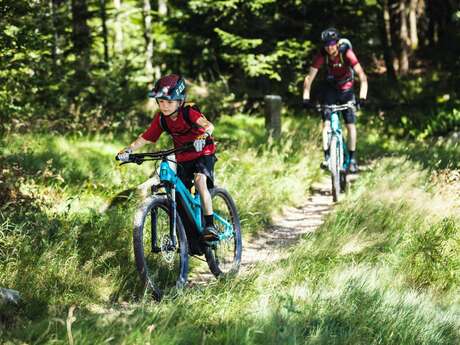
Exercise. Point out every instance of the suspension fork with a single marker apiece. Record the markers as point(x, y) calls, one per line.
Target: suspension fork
point(154, 234)
point(173, 216)
point(156, 248)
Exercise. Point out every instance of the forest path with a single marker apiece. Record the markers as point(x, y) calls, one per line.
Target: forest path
point(288, 227)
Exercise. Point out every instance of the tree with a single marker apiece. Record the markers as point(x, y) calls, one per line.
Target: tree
point(385, 37)
point(81, 38)
point(103, 14)
point(146, 13)
point(118, 42)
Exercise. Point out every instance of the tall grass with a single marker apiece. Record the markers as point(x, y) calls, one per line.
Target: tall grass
point(363, 278)
point(382, 269)
point(65, 225)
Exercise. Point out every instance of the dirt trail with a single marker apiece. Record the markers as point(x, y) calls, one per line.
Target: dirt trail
point(288, 227)
point(293, 222)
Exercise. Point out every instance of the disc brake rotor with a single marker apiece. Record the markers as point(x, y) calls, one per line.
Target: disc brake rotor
point(168, 251)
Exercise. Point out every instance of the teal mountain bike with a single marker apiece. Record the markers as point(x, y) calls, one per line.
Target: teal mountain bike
point(339, 160)
point(168, 225)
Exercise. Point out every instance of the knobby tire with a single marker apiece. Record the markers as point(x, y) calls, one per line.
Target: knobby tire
point(225, 257)
point(167, 269)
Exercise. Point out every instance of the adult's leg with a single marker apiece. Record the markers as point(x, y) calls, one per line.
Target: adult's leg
point(351, 135)
point(349, 117)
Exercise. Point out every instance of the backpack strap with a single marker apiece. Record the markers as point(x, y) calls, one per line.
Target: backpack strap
point(163, 124)
point(186, 115)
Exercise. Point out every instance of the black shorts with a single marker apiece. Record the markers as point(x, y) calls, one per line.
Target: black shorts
point(334, 96)
point(204, 165)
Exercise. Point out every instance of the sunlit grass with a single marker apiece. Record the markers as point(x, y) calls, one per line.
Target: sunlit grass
point(74, 244)
point(383, 269)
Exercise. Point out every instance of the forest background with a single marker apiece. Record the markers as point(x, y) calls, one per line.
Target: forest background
point(87, 65)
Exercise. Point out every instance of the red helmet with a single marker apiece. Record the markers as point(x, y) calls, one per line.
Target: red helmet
point(170, 87)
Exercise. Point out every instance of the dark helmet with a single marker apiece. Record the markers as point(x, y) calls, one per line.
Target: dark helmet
point(170, 87)
point(330, 34)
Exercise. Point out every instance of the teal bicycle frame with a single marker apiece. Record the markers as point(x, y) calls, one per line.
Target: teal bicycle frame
point(336, 129)
point(174, 186)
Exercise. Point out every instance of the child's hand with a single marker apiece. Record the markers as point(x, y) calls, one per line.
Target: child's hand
point(123, 155)
point(200, 143)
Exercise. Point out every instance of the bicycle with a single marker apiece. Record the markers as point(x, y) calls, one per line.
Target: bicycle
point(167, 228)
point(339, 159)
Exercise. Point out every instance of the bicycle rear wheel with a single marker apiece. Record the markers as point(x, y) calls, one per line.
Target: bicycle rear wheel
point(335, 166)
point(161, 255)
point(225, 256)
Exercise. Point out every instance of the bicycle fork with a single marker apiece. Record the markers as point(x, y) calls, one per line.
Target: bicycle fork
point(157, 244)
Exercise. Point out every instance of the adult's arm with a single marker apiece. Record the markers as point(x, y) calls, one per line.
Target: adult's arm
point(308, 81)
point(362, 81)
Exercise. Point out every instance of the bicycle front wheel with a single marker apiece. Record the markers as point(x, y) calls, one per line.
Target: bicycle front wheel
point(161, 254)
point(225, 256)
point(335, 166)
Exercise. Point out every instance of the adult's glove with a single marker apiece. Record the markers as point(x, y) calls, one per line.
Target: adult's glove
point(123, 155)
point(200, 142)
point(307, 104)
point(361, 103)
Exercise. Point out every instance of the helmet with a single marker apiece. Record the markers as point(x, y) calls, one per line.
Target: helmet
point(170, 87)
point(329, 35)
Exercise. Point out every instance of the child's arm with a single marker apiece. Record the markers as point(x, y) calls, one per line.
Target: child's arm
point(136, 144)
point(208, 126)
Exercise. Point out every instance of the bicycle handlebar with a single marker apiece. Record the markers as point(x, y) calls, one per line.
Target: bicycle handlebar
point(139, 158)
point(337, 107)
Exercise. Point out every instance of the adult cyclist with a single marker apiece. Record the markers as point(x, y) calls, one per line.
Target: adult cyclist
point(341, 64)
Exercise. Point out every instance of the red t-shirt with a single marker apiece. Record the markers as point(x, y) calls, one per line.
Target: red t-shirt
point(337, 69)
point(181, 133)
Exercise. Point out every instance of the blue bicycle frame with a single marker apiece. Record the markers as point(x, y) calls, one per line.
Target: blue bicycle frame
point(192, 203)
point(336, 129)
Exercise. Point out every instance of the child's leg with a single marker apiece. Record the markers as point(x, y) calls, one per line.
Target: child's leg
point(205, 196)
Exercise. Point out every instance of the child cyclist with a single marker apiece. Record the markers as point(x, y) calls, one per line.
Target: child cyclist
point(185, 125)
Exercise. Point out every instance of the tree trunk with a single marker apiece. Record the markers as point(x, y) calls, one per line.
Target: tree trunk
point(385, 33)
point(404, 39)
point(103, 14)
point(118, 44)
point(393, 26)
point(56, 49)
point(162, 13)
point(148, 38)
point(81, 39)
point(414, 4)
point(432, 29)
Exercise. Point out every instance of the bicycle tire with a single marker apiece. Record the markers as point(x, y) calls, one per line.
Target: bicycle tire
point(225, 257)
point(335, 167)
point(166, 267)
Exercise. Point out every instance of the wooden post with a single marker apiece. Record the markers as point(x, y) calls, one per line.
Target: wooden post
point(273, 115)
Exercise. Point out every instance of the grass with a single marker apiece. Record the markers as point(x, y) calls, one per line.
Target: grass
point(382, 269)
point(65, 225)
